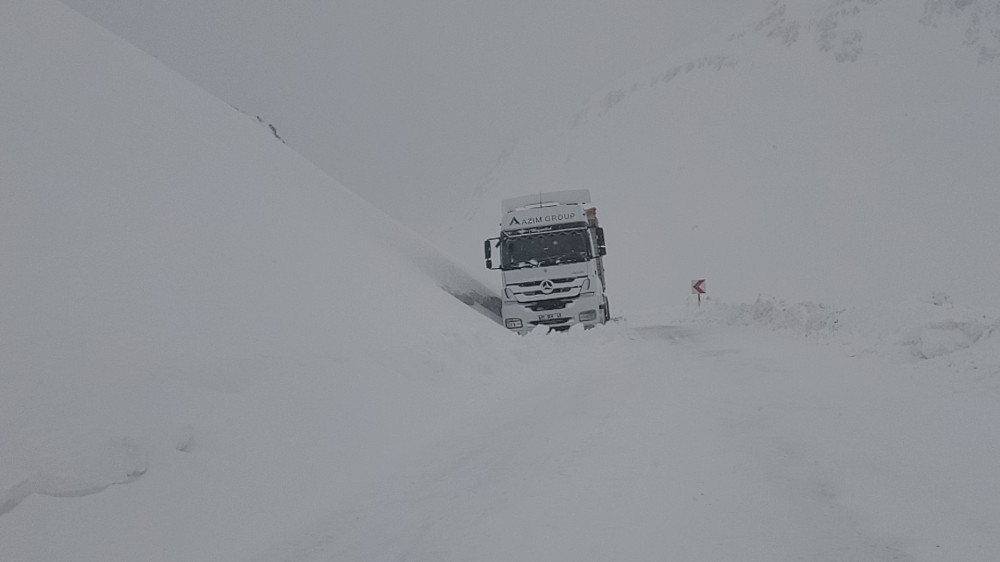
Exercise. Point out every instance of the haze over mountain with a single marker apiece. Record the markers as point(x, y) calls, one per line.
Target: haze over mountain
point(212, 350)
point(409, 103)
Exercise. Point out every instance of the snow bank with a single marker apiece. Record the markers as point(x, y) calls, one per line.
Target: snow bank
point(932, 327)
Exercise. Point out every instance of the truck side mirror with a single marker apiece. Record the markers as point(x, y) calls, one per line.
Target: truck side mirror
point(601, 250)
point(488, 253)
point(600, 237)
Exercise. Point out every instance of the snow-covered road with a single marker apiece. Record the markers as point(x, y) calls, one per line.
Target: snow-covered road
point(691, 442)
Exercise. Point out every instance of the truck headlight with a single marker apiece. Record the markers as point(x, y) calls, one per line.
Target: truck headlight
point(587, 316)
point(515, 323)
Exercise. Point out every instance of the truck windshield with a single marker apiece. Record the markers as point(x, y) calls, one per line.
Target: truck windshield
point(545, 248)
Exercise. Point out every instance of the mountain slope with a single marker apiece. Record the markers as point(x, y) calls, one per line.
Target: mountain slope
point(406, 104)
point(842, 152)
point(175, 279)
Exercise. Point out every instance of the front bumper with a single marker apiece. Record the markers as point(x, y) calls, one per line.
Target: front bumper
point(563, 314)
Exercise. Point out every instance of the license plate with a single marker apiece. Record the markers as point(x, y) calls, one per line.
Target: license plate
point(550, 316)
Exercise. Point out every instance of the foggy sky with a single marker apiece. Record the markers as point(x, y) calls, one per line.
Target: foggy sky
point(408, 102)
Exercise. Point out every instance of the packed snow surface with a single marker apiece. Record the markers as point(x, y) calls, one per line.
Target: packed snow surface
point(211, 350)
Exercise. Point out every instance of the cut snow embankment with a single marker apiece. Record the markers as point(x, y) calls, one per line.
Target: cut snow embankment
point(169, 269)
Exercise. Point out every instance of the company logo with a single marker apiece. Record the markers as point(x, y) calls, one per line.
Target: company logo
point(540, 220)
point(547, 287)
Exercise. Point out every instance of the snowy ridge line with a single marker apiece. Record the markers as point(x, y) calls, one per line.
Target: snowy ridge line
point(981, 19)
point(834, 30)
point(613, 97)
point(929, 328)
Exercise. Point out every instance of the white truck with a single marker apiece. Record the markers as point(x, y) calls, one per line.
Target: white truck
point(551, 259)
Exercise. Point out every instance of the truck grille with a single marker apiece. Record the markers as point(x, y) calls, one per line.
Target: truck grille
point(551, 304)
point(561, 280)
point(562, 289)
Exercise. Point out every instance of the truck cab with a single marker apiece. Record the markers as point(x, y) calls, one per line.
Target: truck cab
point(551, 251)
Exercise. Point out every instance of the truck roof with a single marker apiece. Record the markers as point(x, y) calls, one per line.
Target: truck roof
point(566, 197)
